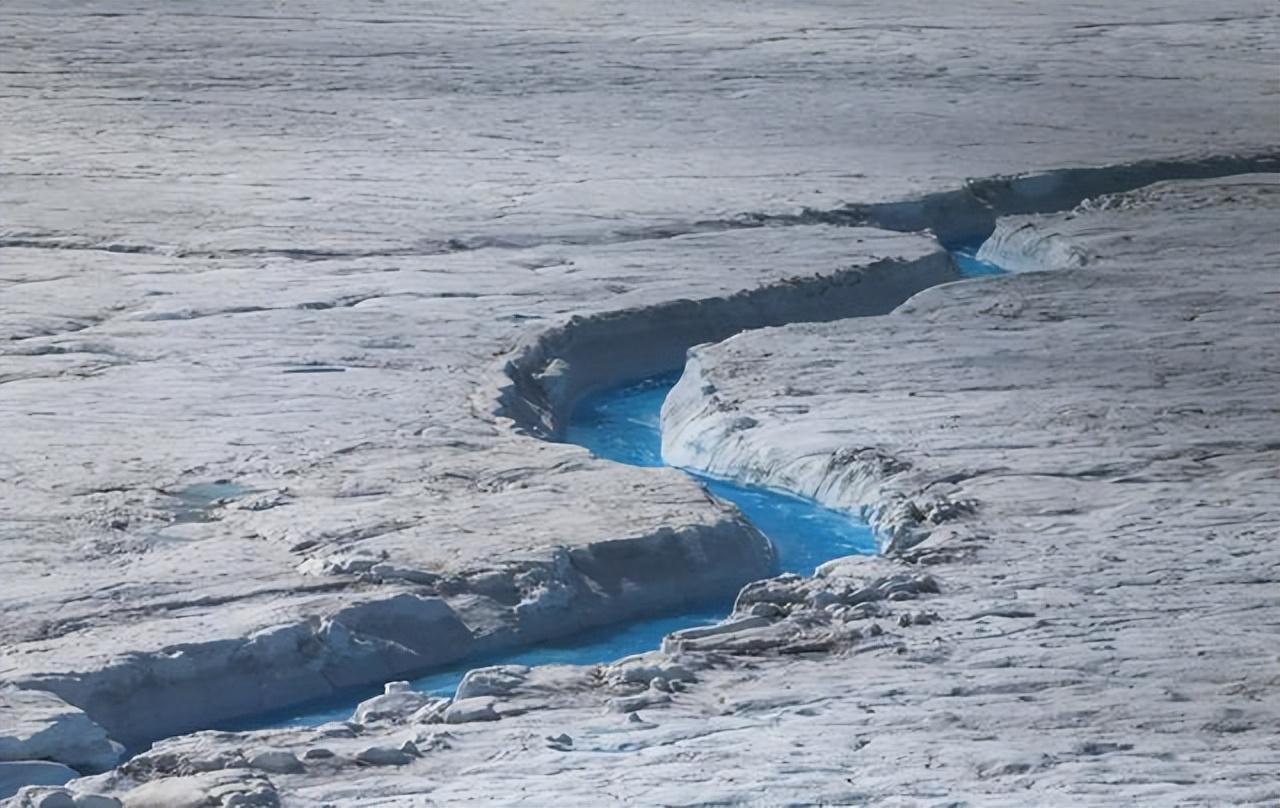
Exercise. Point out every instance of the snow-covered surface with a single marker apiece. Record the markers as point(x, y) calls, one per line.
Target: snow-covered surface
point(1089, 628)
point(379, 487)
point(387, 127)
point(1087, 456)
point(278, 281)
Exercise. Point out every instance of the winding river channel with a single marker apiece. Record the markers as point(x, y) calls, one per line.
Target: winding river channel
point(623, 424)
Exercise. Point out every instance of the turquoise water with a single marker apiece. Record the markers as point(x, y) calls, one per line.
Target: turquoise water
point(624, 425)
point(587, 648)
point(966, 258)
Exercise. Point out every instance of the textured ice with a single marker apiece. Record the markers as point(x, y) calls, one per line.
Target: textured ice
point(594, 647)
point(356, 258)
point(624, 425)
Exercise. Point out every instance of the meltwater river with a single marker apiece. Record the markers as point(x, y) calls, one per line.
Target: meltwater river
point(623, 424)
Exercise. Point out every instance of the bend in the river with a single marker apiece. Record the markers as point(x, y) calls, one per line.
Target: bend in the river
point(624, 424)
point(537, 387)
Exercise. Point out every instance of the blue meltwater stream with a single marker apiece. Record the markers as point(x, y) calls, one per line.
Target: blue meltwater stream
point(965, 254)
point(623, 424)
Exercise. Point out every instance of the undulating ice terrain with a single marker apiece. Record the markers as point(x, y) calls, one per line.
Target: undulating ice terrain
point(296, 300)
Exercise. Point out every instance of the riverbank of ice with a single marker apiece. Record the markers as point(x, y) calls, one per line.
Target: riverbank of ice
point(273, 280)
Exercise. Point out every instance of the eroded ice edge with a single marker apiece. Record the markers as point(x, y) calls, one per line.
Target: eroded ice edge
point(609, 643)
point(623, 424)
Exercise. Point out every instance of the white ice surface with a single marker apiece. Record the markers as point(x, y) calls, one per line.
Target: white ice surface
point(197, 202)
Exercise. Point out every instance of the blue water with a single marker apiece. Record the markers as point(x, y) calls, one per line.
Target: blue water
point(966, 258)
point(624, 425)
point(588, 648)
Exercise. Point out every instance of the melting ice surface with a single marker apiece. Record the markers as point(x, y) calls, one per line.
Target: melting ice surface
point(623, 424)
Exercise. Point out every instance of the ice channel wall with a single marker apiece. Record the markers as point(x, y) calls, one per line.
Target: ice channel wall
point(551, 370)
point(389, 635)
point(143, 696)
point(548, 374)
